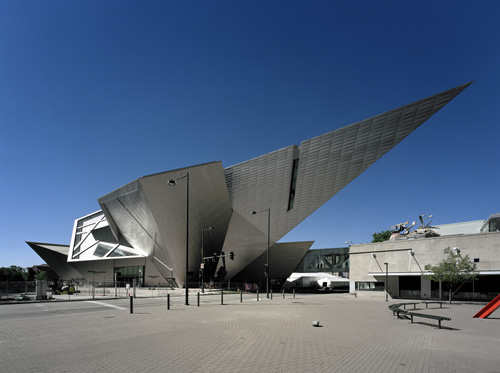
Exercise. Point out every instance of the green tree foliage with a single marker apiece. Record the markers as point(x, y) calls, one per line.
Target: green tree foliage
point(42, 275)
point(453, 270)
point(381, 236)
point(12, 274)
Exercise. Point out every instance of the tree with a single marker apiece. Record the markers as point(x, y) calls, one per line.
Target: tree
point(12, 274)
point(454, 269)
point(381, 236)
point(42, 275)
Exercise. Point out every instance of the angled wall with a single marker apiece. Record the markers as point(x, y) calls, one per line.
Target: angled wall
point(56, 257)
point(151, 214)
point(320, 167)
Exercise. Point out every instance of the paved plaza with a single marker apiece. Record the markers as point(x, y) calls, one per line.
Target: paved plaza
point(356, 335)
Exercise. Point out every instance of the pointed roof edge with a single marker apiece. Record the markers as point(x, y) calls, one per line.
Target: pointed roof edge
point(46, 243)
point(456, 91)
point(459, 90)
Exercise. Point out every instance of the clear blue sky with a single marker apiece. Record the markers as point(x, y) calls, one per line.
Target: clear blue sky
point(94, 94)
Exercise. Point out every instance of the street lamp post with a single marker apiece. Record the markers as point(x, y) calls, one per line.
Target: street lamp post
point(173, 182)
point(203, 258)
point(267, 271)
point(386, 282)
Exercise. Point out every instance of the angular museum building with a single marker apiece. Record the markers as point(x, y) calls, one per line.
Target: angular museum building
point(149, 229)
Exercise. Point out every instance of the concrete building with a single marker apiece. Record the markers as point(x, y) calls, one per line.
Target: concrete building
point(160, 226)
point(406, 259)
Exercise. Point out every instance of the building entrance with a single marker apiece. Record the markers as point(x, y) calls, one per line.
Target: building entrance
point(127, 275)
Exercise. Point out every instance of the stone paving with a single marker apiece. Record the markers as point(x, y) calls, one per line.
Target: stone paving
point(356, 335)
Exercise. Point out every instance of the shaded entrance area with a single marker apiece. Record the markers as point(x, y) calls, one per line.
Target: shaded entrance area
point(127, 275)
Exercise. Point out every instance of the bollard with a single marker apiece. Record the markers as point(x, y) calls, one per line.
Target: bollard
point(241, 296)
point(198, 299)
point(257, 295)
point(283, 293)
point(294, 293)
point(131, 304)
point(271, 294)
point(168, 301)
point(222, 297)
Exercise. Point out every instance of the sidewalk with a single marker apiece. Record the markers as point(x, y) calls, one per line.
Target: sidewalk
point(356, 335)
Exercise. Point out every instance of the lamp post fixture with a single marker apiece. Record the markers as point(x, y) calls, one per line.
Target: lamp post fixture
point(266, 267)
point(386, 281)
point(173, 182)
point(203, 258)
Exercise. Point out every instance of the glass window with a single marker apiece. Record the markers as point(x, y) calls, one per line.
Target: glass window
point(293, 183)
point(120, 252)
point(102, 249)
point(370, 285)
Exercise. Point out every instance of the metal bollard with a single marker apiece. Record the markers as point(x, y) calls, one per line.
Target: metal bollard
point(131, 304)
point(257, 295)
point(168, 301)
point(198, 299)
point(283, 293)
point(294, 293)
point(241, 296)
point(271, 294)
point(222, 297)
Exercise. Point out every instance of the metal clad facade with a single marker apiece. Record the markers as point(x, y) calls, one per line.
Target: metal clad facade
point(256, 185)
point(331, 161)
point(128, 209)
point(327, 163)
point(151, 215)
point(209, 206)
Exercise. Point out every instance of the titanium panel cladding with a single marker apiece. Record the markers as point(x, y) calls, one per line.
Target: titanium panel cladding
point(326, 164)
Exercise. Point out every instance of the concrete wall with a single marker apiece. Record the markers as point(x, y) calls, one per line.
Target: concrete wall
point(367, 267)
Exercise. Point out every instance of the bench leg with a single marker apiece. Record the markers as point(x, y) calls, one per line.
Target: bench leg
point(411, 318)
point(439, 321)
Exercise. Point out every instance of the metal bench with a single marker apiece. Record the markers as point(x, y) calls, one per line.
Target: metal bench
point(438, 318)
point(396, 310)
point(409, 303)
point(427, 302)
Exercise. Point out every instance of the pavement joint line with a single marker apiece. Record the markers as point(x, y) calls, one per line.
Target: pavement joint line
point(106, 304)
